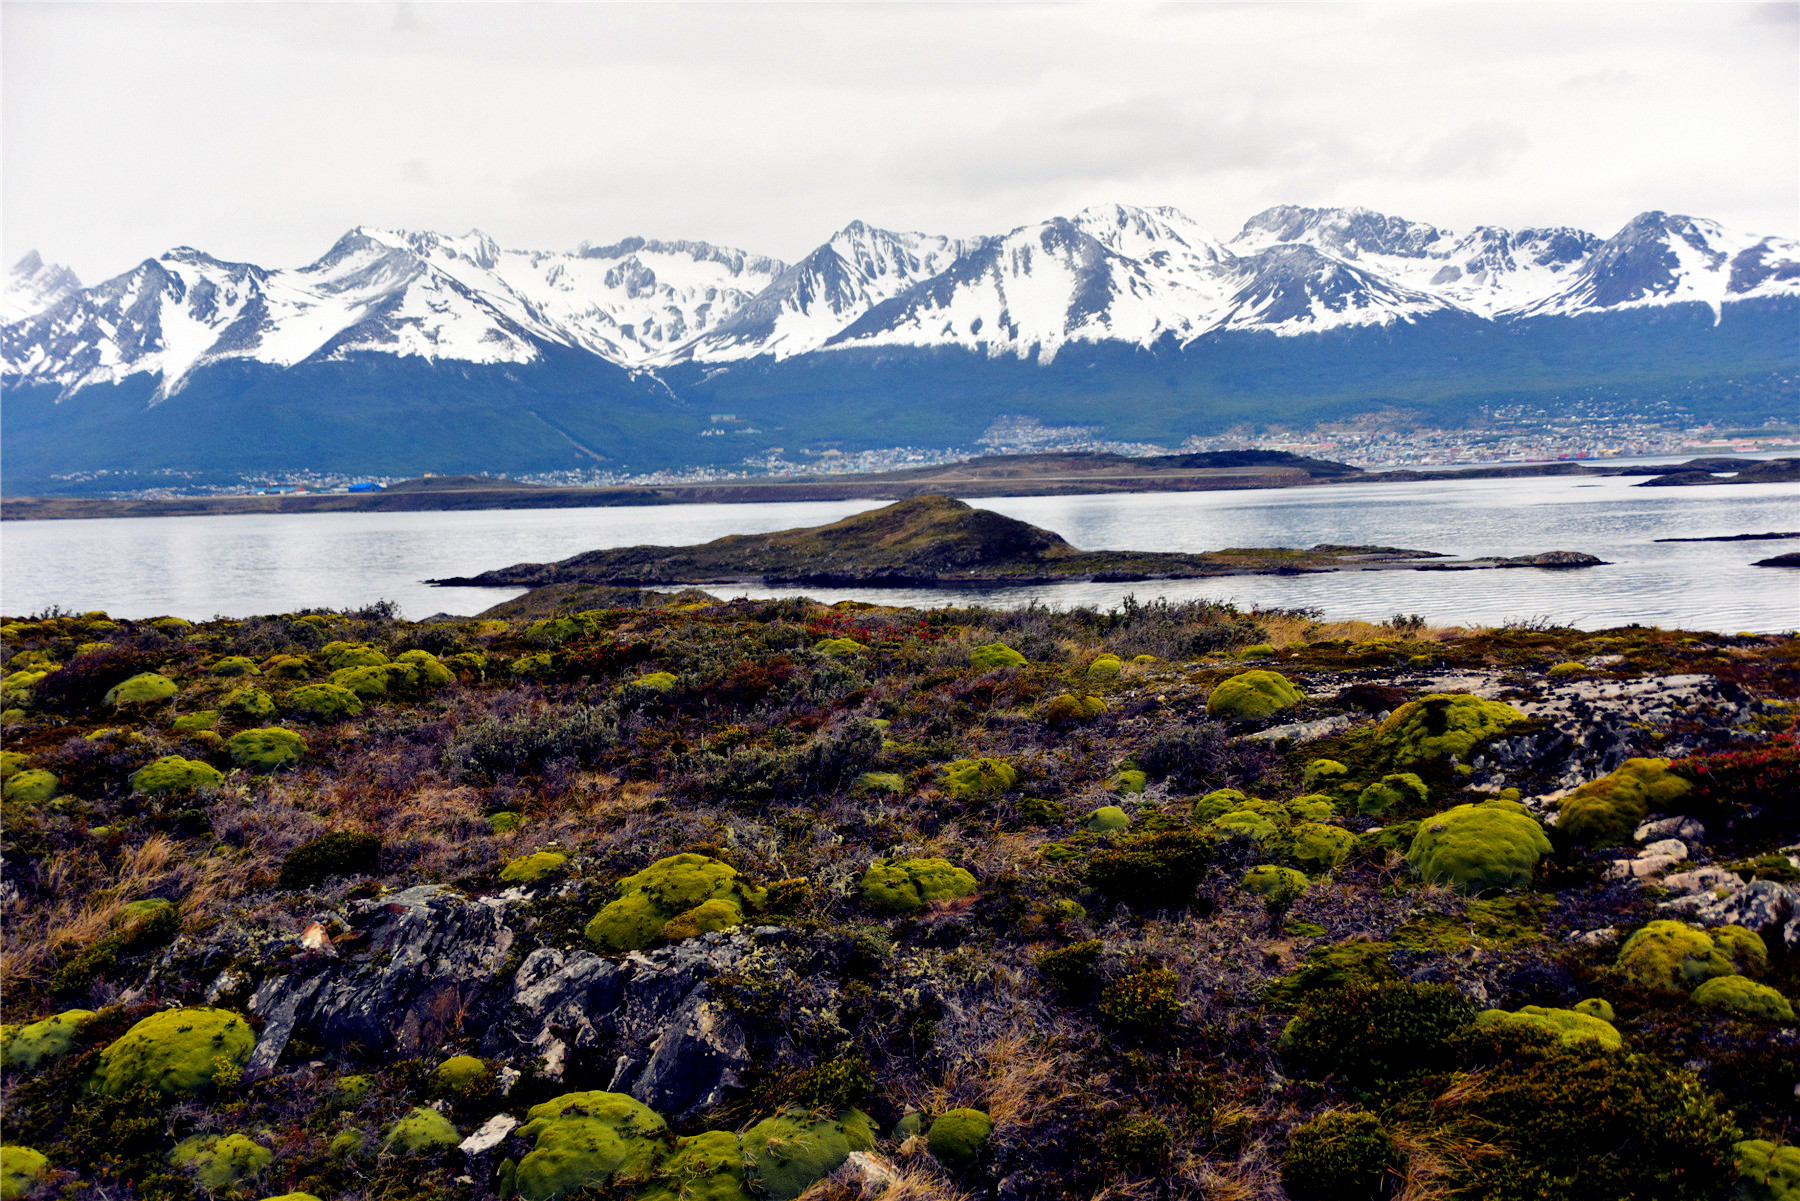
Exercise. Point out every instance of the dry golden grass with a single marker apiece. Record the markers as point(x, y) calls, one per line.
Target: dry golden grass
point(1287, 629)
point(1012, 1076)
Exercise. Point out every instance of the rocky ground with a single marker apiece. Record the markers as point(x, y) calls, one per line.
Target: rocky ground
point(750, 899)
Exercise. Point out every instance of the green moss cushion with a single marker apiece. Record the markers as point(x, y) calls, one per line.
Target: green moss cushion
point(172, 773)
point(1745, 998)
point(1604, 812)
point(427, 671)
point(1767, 1171)
point(585, 1139)
point(670, 889)
point(218, 1161)
point(1130, 781)
point(1318, 847)
point(325, 702)
point(253, 703)
point(145, 689)
point(968, 779)
point(1674, 957)
point(368, 683)
point(175, 1051)
point(351, 654)
point(20, 1170)
point(1067, 709)
point(200, 719)
point(459, 1072)
point(33, 786)
point(993, 655)
point(787, 1154)
point(957, 1138)
point(1595, 1007)
point(267, 749)
point(656, 681)
point(1398, 788)
point(1570, 1026)
point(839, 648)
point(705, 1167)
point(25, 1047)
point(1495, 844)
point(529, 869)
point(1278, 886)
point(421, 1132)
point(908, 885)
point(234, 665)
point(1253, 694)
point(1108, 817)
point(1440, 725)
point(1105, 667)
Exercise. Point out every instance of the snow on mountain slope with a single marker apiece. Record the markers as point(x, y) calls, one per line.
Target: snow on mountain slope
point(33, 286)
point(816, 298)
point(1293, 289)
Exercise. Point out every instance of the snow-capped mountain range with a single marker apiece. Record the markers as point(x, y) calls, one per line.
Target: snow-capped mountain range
point(1110, 273)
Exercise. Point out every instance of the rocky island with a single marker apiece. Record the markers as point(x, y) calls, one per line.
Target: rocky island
point(933, 541)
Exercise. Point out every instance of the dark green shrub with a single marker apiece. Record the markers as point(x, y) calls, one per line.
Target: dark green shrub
point(1070, 969)
point(1153, 871)
point(1338, 1156)
point(345, 853)
point(490, 747)
point(1138, 1144)
point(148, 927)
point(1377, 1033)
point(835, 1084)
point(1142, 1002)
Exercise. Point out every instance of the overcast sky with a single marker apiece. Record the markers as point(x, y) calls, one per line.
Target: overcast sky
point(263, 131)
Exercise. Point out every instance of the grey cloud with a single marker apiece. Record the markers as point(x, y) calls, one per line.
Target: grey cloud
point(1484, 148)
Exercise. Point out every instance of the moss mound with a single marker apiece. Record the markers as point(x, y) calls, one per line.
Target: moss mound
point(706, 1167)
point(1277, 886)
point(1441, 725)
point(234, 665)
point(145, 689)
point(424, 670)
point(1766, 1171)
point(459, 1072)
point(1491, 845)
point(1745, 998)
point(200, 719)
point(1253, 694)
point(970, 779)
point(1318, 847)
point(1674, 957)
point(368, 683)
point(253, 703)
point(1342, 965)
point(839, 648)
point(1068, 709)
point(265, 750)
point(1399, 788)
point(585, 1140)
point(529, 869)
point(1105, 667)
point(1130, 781)
point(1108, 817)
point(421, 1132)
point(172, 773)
point(1604, 812)
point(656, 681)
point(324, 702)
point(219, 1161)
point(177, 1052)
point(20, 1170)
point(33, 786)
point(339, 655)
point(908, 885)
point(789, 1153)
point(1338, 1156)
point(958, 1137)
point(675, 897)
point(1569, 1026)
point(25, 1047)
point(993, 655)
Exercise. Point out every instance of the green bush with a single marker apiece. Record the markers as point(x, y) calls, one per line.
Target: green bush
point(25, 1047)
point(1137, 1143)
point(265, 750)
point(1568, 1025)
point(1745, 998)
point(676, 897)
point(1673, 957)
point(1375, 1033)
point(1068, 709)
point(1153, 871)
point(529, 869)
point(421, 1132)
point(908, 885)
point(787, 1154)
point(1440, 725)
point(177, 1052)
point(1142, 1002)
point(1604, 812)
point(324, 702)
point(957, 1138)
point(221, 1161)
point(1766, 1172)
point(1070, 969)
point(172, 773)
point(1400, 788)
point(1492, 845)
point(1253, 694)
point(147, 688)
point(993, 655)
point(1107, 818)
point(343, 853)
point(21, 1168)
point(969, 779)
point(33, 786)
point(1341, 1155)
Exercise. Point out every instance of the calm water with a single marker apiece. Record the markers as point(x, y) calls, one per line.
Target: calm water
point(234, 566)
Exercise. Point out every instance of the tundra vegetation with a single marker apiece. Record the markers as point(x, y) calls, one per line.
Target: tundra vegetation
point(686, 899)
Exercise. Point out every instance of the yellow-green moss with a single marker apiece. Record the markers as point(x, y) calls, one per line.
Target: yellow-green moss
point(1570, 668)
point(367, 682)
point(1570, 1026)
point(993, 655)
point(529, 869)
point(197, 721)
point(908, 885)
point(1067, 709)
point(1312, 807)
point(253, 703)
point(1253, 694)
point(1494, 844)
point(968, 779)
point(177, 1051)
point(220, 1161)
point(656, 681)
point(1767, 1171)
point(265, 750)
point(1606, 811)
point(787, 1154)
point(425, 670)
point(25, 1047)
point(421, 1132)
point(881, 781)
point(1318, 847)
point(1745, 998)
point(1108, 817)
point(704, 1167)
point(1440, 725)
point(325, 702)
point(1105, 667)
point(146, 688)
point(1398, 788)
point(1274, 884)
point(234, 665)
point(666, 891)
point(1595, 1007)
point(1674, 957)
point(351, 654)
point(457, 1073)
point(838, 648)
point(1257, 650)
point(21, 1169)
point(33, 786)
point(584, 1140)
point(172, 773)
point(957, 1138)
point(287, 667)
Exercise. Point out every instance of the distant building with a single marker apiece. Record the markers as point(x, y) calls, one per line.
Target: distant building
point(366, 487)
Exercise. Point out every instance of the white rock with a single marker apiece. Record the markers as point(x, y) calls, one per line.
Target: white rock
point(1703, 879)
point(866, 1174)
point(1605, 936)
point(1670, 827)
point(493, 1132)
point(1643, 865)
point(1671, 847)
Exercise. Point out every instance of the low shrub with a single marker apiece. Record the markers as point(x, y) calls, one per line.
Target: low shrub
point(1071, 969)
point(344, 853)
point(1377, 1033)
point(1138, 1144)
point(1142, 1002)
point(1153, 871)
point(1341, 1155)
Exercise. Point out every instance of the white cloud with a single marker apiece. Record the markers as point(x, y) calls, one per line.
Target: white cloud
point(262, 131)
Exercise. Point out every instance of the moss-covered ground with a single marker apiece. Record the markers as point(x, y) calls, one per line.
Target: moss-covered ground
point(1158, 1004)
